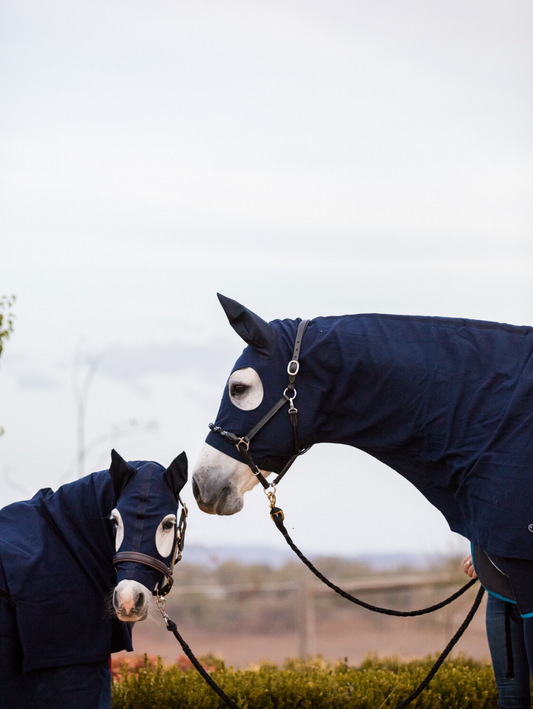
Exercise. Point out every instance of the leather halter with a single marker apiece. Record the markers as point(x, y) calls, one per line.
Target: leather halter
point(136, 557)
point(242, 443)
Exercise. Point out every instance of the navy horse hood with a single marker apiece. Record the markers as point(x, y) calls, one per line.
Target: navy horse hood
point(152, 496)
point(266, 354)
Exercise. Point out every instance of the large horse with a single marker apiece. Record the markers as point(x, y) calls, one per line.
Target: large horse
point(447, 403)
point(77, 568)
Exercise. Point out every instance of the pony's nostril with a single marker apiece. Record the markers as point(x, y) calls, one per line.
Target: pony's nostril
point(139, 601)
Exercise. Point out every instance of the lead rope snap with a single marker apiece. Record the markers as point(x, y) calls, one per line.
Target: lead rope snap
point(161, 608)
point(274, 511)
point(270, 492)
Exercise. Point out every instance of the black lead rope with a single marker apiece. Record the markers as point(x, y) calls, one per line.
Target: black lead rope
point(210, 681)
point(277, 515)
point(172, 627)
point(449, 647)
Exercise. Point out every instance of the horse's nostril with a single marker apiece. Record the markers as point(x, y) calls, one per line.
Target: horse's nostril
point(139, 601)
point(196, 491)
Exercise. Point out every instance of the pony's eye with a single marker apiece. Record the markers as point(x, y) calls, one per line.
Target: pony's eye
point(164, 541)
point(118, 528)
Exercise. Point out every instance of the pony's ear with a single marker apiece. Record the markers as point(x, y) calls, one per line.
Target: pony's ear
point(255, 331)
point(121, 473)
point(176, 474)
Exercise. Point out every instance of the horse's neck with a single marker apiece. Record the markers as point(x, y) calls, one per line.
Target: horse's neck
point(359, 380)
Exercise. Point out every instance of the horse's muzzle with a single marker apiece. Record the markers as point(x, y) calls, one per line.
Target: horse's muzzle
point(216, 500)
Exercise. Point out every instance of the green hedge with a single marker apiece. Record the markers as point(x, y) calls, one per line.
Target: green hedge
point(377, 683)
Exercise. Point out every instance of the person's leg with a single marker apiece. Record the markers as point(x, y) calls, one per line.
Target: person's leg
point(514, 693)
point(520, 574)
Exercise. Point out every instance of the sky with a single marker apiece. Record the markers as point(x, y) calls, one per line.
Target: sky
point(305, 158)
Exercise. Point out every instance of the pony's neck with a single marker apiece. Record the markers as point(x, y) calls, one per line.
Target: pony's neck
point(80, 511)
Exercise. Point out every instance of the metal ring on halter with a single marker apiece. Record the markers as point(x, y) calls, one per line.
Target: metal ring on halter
point(290, 398)
point(290, 371)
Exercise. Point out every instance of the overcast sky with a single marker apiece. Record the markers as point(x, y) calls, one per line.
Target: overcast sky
point(306, 158)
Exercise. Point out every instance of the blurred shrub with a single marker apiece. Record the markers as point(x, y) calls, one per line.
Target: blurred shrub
point(379, 683)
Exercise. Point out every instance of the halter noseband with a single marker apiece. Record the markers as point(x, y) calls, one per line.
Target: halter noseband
point(136, 557)
point(242, 443)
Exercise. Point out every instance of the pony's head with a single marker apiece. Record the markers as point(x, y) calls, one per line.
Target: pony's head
point(256, 383)
point(145, 521)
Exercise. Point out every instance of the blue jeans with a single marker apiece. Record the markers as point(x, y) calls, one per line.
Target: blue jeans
point(514, 693)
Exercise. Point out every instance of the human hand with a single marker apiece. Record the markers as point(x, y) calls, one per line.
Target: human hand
point(468, 567)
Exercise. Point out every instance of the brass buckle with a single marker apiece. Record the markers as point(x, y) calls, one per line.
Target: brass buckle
point(246, 444)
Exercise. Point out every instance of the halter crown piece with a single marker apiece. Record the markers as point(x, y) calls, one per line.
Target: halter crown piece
point(242, 443)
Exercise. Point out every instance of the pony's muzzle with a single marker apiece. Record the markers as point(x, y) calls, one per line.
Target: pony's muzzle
point(131, 600)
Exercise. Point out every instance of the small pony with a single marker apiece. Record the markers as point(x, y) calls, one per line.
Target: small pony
point(77, 569)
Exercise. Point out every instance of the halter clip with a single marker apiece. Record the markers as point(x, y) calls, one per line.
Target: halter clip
point(270, 492)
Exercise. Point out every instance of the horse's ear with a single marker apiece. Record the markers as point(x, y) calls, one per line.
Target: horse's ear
point(255, 331)
point(121, 473)
point(176, 474)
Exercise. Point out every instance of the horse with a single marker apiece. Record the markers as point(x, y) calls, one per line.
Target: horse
point(445, 402)
point(77, 569)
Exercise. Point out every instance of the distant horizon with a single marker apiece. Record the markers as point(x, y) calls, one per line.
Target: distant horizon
point(273, 556)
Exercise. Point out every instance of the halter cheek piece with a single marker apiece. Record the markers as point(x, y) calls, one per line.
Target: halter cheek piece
point(242, 443)
point(167, 571)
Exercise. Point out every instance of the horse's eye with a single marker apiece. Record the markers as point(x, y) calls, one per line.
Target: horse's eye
point(245, 389)
point(167, 525)
point(239, 389)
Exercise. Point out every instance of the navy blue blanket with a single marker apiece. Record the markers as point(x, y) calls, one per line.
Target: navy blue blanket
point(56, 553)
